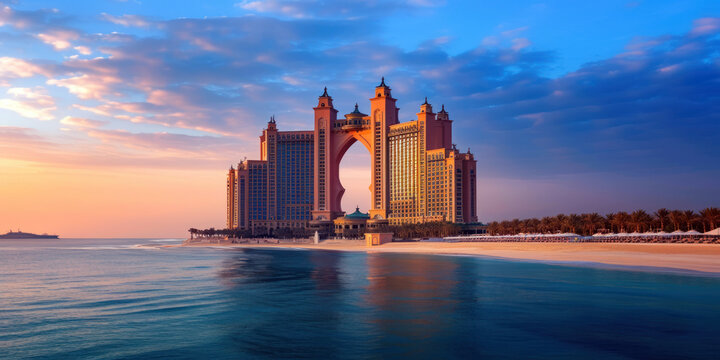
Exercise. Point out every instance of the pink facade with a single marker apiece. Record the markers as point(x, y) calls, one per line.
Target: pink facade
point(417, 173)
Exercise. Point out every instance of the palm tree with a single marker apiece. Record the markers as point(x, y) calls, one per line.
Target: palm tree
point(560, 220)
point(689, 217)
point(546, 225)
point(532, 225)
point(662, 215)
point(621, 219)
point(676, 217)
point(640, 219)
point(710, 217)
point(591, 222)
point(573, 221)
point(609, 221)
point(514, 226)
point(493, 228)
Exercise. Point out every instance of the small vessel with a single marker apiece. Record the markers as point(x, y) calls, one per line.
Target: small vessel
point(23, 235)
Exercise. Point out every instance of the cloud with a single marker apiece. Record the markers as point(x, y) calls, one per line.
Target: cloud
point(178, 144)
point(28, 20)
point(60, 39)
point(81, 122)
point(520, 43)
point(640, 112)
point(636, 112)
point(128, 20)
point(20, 136)
point(306, 9)
point(87, 86)
point(225, 76)
point(13, 68)
point(84, 50)
point(32, 103)
point(706, 26)
point(94, 148)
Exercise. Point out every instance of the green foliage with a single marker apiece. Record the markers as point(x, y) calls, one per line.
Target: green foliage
point(588, 224)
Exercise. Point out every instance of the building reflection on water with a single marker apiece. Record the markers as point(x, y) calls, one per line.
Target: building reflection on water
point(333, 304)
point(325, 272)
point(416, 290)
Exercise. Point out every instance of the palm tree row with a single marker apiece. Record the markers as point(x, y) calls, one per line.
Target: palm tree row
point(619, 222)
point(259, 232)
point(421, 230)
point(406, 231)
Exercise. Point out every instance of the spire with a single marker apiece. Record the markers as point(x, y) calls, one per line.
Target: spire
point(426, 107)
point(231, 167)
point(356, 111)
point(443, 109)
point(325, 94)
point(382, 83)
point(272, 119)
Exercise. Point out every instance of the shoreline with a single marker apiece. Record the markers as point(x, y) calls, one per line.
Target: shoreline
point(694, 257)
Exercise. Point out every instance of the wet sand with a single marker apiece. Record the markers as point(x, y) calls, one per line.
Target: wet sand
point(697, 257)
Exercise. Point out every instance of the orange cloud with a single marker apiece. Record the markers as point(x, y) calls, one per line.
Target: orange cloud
point(87, 86)
point(81, 122)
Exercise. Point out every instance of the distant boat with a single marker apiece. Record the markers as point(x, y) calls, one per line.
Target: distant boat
point(23, 235)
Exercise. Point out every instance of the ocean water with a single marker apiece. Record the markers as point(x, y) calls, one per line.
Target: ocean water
point(114, 299)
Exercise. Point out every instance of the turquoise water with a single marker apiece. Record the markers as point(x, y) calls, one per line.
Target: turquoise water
point(110, 299)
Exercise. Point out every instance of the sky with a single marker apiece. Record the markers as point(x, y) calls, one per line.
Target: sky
point(121, 118)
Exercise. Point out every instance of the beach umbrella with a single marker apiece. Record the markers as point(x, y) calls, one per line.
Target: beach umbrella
point(635, 233)
point(622, 234)
point(713, 232)
point(693, 232)
point(678, 232)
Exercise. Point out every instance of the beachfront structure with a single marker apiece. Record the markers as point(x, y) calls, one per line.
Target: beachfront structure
point(351, 225)
point(418, 175)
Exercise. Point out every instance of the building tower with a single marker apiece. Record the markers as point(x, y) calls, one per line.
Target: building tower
point(324, 185)
point(231, 199)
point(383, 113)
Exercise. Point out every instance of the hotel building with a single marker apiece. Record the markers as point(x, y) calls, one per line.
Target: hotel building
point(418, 175)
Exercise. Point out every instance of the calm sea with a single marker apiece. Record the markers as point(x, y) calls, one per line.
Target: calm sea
point(110, 299)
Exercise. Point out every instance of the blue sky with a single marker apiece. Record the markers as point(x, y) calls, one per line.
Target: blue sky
point(568, 106)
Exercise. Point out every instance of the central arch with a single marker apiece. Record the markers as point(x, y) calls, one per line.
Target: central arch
point(344, 141)
point(333, 137)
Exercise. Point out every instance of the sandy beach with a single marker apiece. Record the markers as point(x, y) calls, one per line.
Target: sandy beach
point(697, 257)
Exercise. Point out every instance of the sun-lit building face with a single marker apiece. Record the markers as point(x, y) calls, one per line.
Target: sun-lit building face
point(417, 173)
